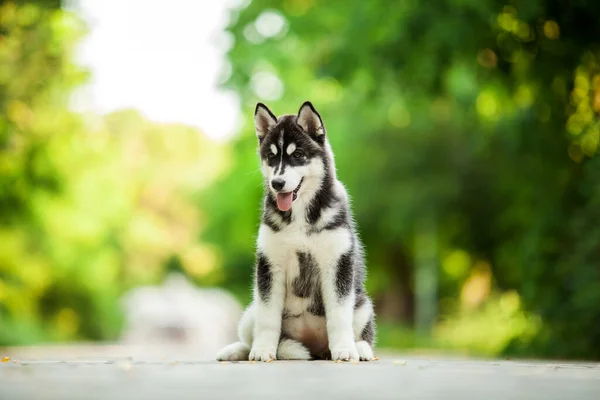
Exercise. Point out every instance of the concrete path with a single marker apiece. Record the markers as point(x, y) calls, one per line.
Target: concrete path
point(392, 377)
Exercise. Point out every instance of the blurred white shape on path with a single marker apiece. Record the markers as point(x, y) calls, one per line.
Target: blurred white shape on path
point(178, 313)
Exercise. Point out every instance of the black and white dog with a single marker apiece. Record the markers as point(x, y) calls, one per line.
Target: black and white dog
point(309, 297)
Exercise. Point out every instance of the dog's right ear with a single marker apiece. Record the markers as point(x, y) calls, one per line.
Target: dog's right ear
point(264, 120)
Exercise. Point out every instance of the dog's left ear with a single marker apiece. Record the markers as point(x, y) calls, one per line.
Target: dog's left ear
point(264, 120)
point(310, 120)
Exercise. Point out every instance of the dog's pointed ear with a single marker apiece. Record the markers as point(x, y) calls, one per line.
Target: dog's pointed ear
point(264, 120)
point(310, 120)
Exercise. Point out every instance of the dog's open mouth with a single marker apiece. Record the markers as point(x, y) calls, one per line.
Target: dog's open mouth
point(285, 200)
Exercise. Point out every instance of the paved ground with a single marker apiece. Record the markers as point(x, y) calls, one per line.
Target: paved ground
point(392, 377)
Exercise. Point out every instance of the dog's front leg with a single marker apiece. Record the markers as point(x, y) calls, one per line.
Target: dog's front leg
point(269, 295)
point(338, 297)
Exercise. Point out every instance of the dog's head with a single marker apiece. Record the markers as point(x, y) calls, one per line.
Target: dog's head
point(292, 150)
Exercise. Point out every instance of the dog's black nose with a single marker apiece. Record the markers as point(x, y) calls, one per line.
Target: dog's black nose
point(278, 184)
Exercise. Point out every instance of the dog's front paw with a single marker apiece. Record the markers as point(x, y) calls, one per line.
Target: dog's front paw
point(346, 353)
point(262, 354)
point(364, 351)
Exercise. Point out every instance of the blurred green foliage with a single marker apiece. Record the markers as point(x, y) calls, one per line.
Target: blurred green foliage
point(473, 123)
point(89, 206)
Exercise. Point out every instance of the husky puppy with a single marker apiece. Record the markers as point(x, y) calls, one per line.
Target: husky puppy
point(309, 297)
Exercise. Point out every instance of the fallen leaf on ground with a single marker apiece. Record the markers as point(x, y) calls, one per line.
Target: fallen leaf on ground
point(6, 359)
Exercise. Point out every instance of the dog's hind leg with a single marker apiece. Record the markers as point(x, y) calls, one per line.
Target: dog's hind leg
point(246, 326)
point(237, 351)
point(290, 349)
point(240, 351)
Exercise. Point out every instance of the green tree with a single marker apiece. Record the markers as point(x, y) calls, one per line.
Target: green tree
point(36, 77)
point(473, 123)
point(89, 206)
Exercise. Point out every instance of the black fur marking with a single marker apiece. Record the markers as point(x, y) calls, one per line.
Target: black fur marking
point(361, 299)
point(307, 284)
point(368, 333)
point(282, 165)
point(317, 306)
point(340, 220)
point(304, 283)
point(324, 355)
point(323, 198)
point(344, 275)
point(264, 277)
point(288, 315)
point(269, 222)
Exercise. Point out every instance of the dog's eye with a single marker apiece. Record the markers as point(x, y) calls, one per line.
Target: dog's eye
point(298, 154)
point(270, 156)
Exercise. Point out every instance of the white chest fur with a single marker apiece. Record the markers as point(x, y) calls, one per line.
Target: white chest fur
point(282, 248)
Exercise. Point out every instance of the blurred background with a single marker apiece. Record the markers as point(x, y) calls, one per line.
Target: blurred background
point(466, 132)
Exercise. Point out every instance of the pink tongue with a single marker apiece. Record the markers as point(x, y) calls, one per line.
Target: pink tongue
point(284, 200)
